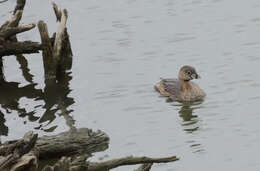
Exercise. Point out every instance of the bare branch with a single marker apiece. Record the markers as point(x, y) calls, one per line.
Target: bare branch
point(14, 48)
point(128, 161)
point(145, 167)
point(19, 5)
point(11, 31)
point(18, 149)
point(48, 63)
point(60, 36)
point(57, 11)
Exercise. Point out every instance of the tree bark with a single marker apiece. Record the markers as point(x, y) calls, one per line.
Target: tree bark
point(7, 32)
point(145, 167)
point(82, 164)
point(68, 143)
point(14, 20)
point(13, 152)
point(19, 5)
point(13, 48)
point(48, 62)
point(62, 52)
point(128, 161)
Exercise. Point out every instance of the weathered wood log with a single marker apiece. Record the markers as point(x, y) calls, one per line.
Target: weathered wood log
point(107, 165)
point(69, 143)
point(48, 62)
point(62, 52)
point(14, 20)
point(66, 53)
point(28, 162)
point(13, 48)
point(56, 11)
point(83, 165)
point(60, 36)
point(16, 150)
point(67, 164)
point(57, 53)
point(19, 5)
point(82, 140)
point(145, 167)
point(82, 143)
point(7, 32)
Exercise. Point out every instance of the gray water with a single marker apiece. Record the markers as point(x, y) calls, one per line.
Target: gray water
point(121, 49)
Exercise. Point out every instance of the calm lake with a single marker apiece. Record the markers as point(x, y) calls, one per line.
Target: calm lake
point(121, 49)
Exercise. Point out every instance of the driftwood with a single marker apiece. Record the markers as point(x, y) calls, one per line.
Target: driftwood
point(19, 5)
point(14, 48)
point(18, 154)
point(8, 31)
point(62, 52)
point(104, 166)
point(145, 167)
point(69, 143)
point(57, 53)
point(49, 68)
point(75, 147)
point(81, 164)
point(82, 140)
point(15, 151)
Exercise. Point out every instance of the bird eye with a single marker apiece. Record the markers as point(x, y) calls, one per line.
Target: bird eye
point(188, 72)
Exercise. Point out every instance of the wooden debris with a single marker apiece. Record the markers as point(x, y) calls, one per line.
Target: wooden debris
point(62, 52)
point(57, 53)
point(128, 161)
point(145, 167)
point(84, 165)
point(19, 5)
point(16, 150)
point(68, 143)
point(8, 31)
point(75, 146)
point(48, 62)
point(14, 48)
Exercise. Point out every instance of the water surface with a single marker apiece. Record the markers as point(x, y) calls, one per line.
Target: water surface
point(121, 49)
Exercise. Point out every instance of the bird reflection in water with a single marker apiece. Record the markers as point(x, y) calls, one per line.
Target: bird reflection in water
point(54, 97)
point(191, 123)
point(189, 120)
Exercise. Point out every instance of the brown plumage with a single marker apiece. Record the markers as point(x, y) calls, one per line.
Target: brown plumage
point(181, 89)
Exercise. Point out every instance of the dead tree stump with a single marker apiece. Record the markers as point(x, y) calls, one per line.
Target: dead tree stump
point(57, 53)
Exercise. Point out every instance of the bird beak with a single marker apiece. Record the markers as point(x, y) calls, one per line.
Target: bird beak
point(195, 76)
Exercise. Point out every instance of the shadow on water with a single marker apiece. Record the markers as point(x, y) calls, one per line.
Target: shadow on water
point(54, 97)
point(186, 112)
point(191, 123)
point(189, 120)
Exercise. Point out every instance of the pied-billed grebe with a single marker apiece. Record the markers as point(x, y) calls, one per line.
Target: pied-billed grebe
point(181, 89)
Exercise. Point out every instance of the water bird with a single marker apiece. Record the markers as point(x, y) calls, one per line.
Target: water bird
point(182, 89)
